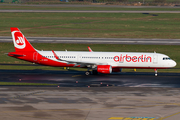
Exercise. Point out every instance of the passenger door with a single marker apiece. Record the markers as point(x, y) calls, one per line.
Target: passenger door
point(155, 59)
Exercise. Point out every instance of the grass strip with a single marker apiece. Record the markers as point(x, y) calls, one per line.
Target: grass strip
point(97, 25)
point(26, 7)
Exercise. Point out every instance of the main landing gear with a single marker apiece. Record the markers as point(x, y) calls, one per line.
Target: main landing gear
point(87, 72)
point(94, 70)
point(155, 70)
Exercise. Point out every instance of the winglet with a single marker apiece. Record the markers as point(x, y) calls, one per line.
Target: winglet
point(90, 50)
point(55, 55)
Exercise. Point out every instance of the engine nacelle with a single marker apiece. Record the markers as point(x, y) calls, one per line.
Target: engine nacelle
point(106, 69)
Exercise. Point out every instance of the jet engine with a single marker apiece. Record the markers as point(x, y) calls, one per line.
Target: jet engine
point(106, 69)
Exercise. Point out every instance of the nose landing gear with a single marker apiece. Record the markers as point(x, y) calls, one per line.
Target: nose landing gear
point(155, 70)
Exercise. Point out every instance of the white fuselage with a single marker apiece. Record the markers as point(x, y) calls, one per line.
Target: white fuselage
point(115, 59)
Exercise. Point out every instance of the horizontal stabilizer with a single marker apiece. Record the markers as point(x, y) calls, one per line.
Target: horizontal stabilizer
point(16, 55)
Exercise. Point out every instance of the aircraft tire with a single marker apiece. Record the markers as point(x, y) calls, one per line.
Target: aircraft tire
point(87, 73)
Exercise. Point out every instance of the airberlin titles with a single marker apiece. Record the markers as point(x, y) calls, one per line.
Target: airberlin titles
point(127, 58)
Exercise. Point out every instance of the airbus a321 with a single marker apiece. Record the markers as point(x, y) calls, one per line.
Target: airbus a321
point(95, 62)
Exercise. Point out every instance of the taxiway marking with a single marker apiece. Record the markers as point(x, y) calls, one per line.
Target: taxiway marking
point(169, 116)
point(132, 118)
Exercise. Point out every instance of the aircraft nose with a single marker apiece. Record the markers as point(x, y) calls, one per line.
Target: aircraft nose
point(173, 63)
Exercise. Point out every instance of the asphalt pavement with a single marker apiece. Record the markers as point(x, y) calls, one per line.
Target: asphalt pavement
point(97, 40)
point(71, 78)
point(117, 96)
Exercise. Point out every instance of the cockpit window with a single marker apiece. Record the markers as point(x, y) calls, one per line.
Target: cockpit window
point(166, 58)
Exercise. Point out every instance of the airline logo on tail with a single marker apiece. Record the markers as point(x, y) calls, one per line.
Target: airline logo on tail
point(19, 40)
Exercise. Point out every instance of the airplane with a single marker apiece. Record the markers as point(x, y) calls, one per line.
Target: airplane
point(95, 62)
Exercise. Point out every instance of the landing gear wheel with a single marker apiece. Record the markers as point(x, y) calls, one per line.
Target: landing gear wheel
point(87, 73)
point(155, 72)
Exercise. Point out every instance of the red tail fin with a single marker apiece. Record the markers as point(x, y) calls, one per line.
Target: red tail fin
point(20, 42)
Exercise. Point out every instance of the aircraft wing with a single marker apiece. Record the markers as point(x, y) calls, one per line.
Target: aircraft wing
point(78, 63)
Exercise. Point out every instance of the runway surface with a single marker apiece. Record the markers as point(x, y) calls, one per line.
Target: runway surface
point(122, 96)
point(79, 79)
point(97, 40)
point(114, 103)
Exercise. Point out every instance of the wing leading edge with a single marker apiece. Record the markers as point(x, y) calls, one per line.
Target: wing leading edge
point(77, 62)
